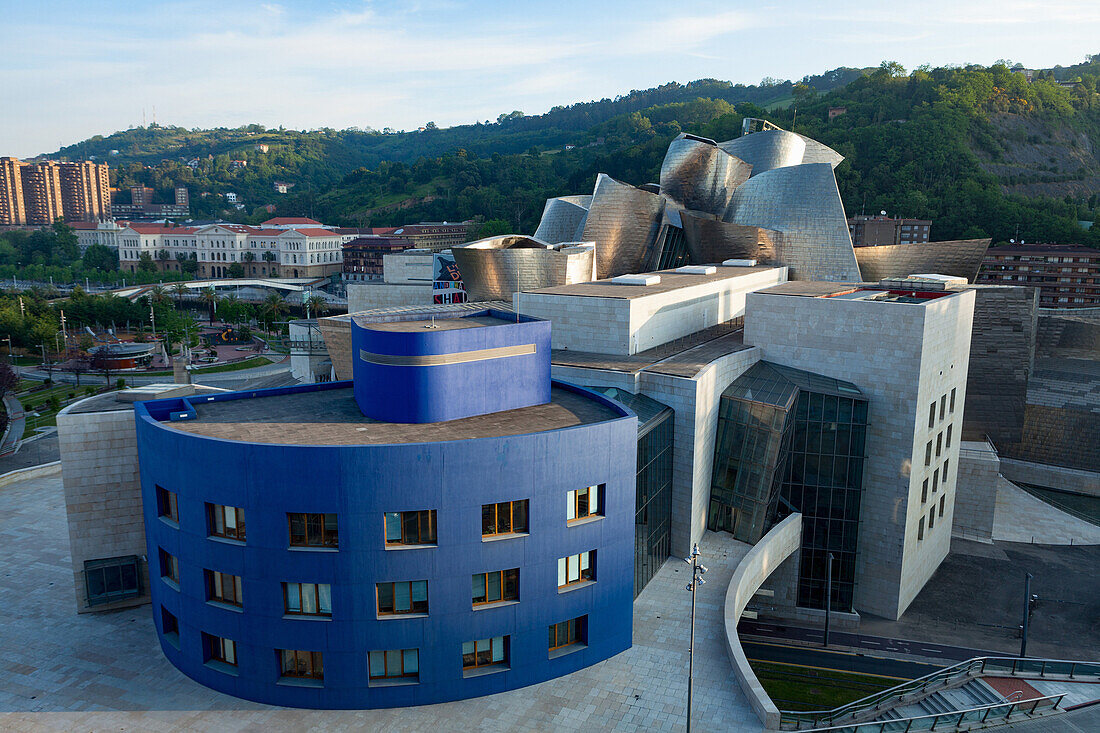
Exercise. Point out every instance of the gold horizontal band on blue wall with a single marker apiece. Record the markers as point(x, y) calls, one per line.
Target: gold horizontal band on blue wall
point(459, 357)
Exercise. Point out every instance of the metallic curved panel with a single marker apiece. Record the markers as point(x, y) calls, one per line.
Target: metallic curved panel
point(699, 175)
point(710, 240)
point(625, 223)
point(497, 267)
point(803, 203)
point(767, 150)
point(819, 153)
point(960, 258)
point(563, 219)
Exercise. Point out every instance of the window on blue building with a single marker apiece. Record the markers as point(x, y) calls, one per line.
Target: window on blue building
point(167, 505)
point(410, 528)
point(485, 653)
point(307, 599)
point(217, 649)
point(410, 596)
point(224, 588)
point(583, 503)
point(566, 633)
point(313, 530)
point(298, 664)
point(499, 585)
point(225, 521)
point(395, 664)
point(577, 568)
point(502, 518)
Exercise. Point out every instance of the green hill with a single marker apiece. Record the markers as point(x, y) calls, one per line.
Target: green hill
point(981, 151)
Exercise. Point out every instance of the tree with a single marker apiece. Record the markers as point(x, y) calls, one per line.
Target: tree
point(158, 294)
point(236, 270)
point(100, 257)
point(146, 264)
point(316, 306)
point(163, 255)
point(273, 307)
point(211, 299)
point(179, 289)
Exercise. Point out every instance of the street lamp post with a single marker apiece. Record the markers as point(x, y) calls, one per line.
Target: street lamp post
point(828, 595)
point(697, 571)
point(45, 363)
point(1027, 614)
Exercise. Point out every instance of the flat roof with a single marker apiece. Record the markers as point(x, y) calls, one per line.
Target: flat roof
point(670, 280)
point(684, 357)
point(331, 416)
point(110, 402)
point(869, 292)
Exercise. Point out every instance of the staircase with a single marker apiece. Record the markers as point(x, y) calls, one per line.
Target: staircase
point(973, 694)
point(952, 699)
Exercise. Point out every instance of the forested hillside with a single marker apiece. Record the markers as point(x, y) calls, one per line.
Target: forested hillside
point(981, 151)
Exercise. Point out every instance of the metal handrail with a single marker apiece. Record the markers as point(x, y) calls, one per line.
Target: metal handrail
point(980, 714)
point(969, 668)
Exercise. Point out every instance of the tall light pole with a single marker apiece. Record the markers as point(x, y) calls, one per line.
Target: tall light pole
point(1027, 612)
point(697, 571)
point(828, 595)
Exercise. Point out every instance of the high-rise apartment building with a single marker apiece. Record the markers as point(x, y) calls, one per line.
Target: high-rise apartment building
point(40, 193)
point(1067, 276)
point(12, 210)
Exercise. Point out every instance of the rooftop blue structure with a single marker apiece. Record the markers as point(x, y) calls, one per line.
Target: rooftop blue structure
point(306, 552)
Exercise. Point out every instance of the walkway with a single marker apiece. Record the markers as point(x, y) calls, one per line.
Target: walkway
point(1021, 517)
point(18, 418)
point(63, 671)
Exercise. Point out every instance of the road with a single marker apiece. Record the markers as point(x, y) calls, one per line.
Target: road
point(836, 660)
point(875, 644)
point(217, 379)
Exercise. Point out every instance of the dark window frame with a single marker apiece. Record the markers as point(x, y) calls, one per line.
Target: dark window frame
point(567, 633)
point(212, 512)
point(398, 675)
point(424, 537)
point(288, 611)
point(306, 665)
point(215, 649)
point(236, 584)
point(495, 521)
point(574, 502)
point(168, 505)
point(476, 655)
point(504, 577)
point(581, 571)
point(104, 568)
point(415, 607)
point(169, 565)
point(315, 532)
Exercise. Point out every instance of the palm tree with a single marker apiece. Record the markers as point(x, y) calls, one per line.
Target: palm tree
point(179, 289)
point(210, 298)
point(158, 295)
point(316, 305)
point(272, 307)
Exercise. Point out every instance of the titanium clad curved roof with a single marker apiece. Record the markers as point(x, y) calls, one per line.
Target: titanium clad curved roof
point(697, 174)
point(709, 240)
point(819, 153)
point(767, 150)
point(563, 219)
point(803, 203)
point(960, 258)
point(624, 222)
point(497, 267)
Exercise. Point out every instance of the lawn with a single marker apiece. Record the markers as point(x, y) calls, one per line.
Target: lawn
point(792, 687)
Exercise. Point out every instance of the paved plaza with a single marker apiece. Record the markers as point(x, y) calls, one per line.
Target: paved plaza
point(98, 672)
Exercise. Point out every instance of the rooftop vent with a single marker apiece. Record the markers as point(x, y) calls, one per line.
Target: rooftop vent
point(738, 263)
point(697, 269)
point(644, 280)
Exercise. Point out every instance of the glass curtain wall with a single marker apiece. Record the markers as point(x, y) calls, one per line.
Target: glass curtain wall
point(653, 507)
point(824, 481)
point(750, 450)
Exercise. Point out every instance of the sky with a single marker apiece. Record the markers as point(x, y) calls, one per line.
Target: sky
point(73, 69)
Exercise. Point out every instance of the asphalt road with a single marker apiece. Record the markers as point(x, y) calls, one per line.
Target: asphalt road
point(836, 660)
point(883, 645)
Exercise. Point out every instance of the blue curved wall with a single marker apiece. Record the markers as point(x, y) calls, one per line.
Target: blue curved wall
point(359, 483)
point(419, 394)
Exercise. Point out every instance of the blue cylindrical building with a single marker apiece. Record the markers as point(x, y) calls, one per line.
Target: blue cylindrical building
point(311, 556)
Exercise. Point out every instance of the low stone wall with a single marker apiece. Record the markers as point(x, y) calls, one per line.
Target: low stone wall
point(22, 474)
point(1052, 477)
point(767, 555)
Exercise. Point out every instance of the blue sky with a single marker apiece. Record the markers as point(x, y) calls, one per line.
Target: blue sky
point(69, 70)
